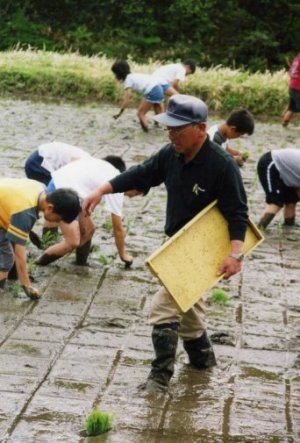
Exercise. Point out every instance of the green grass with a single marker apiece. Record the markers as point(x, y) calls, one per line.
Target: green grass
point(97, 423)
point(220, 297)
point(80, 78)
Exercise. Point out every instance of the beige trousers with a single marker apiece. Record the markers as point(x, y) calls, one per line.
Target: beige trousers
point(165, 310)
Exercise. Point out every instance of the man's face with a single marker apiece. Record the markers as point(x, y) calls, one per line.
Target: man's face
point(186, 138)
point(51, 216)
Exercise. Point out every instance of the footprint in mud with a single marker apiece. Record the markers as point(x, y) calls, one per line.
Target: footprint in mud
point(223, 338)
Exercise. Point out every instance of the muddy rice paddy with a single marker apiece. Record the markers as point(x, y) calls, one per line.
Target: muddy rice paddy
point(87, 343)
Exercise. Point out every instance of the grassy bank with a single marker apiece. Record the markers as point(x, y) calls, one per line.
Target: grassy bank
point(47, 75)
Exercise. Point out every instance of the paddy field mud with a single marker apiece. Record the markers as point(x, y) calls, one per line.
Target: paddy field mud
point(87, 342)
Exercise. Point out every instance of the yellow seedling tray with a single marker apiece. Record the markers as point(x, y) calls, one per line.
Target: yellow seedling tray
point(187, 264)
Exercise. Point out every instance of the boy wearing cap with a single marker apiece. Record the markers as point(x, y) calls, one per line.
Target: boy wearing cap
point(195, 172)
point(20, 203)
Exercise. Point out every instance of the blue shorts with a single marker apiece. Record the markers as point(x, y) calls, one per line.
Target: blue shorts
point(156, 95)
point(35, 170)
point(51, 187)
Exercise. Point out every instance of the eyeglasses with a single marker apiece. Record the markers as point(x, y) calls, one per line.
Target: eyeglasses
point(175, 130)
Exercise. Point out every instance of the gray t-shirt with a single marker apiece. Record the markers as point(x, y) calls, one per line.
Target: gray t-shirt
point(287, 161)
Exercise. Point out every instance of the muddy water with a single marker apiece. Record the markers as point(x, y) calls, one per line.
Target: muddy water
point(87, 343)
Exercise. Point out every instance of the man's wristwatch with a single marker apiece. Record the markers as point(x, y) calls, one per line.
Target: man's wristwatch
point(237, 256)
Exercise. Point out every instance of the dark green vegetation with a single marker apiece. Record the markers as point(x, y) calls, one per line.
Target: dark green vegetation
point(252, 34)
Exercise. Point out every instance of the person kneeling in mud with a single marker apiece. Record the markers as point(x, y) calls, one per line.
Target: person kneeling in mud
point(84, 176)
point(279, 175)
point(21, 200)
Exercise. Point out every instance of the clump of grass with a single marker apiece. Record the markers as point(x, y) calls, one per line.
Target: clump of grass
point(97, 423)
point(15, 289)
point(103, 260)
point(220, 297)
point(107, 225)
point(245, 155)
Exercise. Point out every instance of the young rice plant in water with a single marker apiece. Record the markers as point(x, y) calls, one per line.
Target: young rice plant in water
point(98, 422)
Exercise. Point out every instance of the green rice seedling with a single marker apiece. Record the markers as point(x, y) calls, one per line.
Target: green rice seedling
point(220, 297)
point(49, 239)
point(103, 260)
point(107, 225)
point(245, 155)
point(98, 422)
point(15, 288)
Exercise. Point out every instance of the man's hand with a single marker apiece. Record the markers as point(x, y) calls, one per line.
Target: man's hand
point(127, 259)
point(229, 267)
point(31, 292)
point(91, 201)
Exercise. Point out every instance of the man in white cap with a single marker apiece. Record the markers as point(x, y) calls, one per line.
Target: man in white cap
point(195, 172)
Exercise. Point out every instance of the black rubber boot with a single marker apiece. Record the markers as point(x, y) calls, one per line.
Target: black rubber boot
point(200, 352)
point(46, 259)
point(12, 274)
point(289, 221)
point(265, 220)
point(2, 283)
point(165, 340)
point(49, 237)
point(82, 253)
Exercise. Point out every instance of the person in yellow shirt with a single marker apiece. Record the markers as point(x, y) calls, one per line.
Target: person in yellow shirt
point(21, 200)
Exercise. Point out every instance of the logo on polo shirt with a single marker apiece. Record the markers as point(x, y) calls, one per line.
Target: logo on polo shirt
point(197, 189)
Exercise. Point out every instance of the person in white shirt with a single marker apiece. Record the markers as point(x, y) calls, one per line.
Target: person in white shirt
point(152, 90)
point(172, 74)
point(51, 156)
point(85, 175)
point(40, 165)
point(279, 174)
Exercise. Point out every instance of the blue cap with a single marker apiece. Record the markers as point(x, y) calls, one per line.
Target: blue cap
point(183, 110)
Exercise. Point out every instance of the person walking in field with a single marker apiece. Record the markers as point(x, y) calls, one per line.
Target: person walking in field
point(279, 175)
point(145, 84)
point(172, 74)
point(294, 91)
point(238, 123)
point(21, 200)
point(195, 172)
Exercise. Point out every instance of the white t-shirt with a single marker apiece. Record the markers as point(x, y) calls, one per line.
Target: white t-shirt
point(85, 175)
point(140, 82)
point(216, 136)
point(169, 73)
point(287, 161)
point(58, 154)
